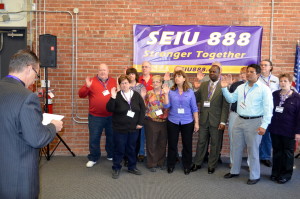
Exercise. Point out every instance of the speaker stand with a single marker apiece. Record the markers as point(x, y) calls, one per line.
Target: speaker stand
point(46, 150)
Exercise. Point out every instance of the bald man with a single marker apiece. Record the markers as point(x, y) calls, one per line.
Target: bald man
point(97, 89)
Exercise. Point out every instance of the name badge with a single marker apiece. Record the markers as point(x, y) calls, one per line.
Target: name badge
point(158, 112)
point(181, 110)
point(130, 114)
point(206, 104)
point(243, 105)
point(106, 92)
point(279, 109)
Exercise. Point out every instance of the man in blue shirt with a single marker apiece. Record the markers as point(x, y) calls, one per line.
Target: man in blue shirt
point(254, 107)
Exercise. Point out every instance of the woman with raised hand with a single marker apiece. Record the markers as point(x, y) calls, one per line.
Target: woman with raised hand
point(156, 125)
point(183, 117)
point(128, 110)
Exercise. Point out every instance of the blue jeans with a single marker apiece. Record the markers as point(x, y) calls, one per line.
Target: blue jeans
point(265, 147)
point(125, 142)
point(142, 142)
point(96, 126)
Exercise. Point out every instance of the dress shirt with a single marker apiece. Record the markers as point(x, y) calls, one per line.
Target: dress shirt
point(271, 81)
point(187, 101)
point(259, 101)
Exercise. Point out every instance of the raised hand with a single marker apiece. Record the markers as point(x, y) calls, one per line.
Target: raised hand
point(196, 83)
point(125, 69)
point(167, 76)
point(113, 92)
point(226, 80)
point(88, 82)
point(166, 89)
point(200, 75)
point(143, 92)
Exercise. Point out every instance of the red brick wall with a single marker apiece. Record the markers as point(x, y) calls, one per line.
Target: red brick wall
point(105, 35)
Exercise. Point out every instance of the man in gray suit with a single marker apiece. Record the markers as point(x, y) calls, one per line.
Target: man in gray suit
point(21, 130)
point(213, 116)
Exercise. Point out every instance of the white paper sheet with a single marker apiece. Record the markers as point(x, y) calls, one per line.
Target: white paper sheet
point(47, 118)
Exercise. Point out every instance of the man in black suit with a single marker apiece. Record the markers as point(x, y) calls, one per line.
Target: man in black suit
point(22, 132)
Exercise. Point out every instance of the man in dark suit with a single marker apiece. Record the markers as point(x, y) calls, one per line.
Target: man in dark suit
point(213, 117)
point(21, 130)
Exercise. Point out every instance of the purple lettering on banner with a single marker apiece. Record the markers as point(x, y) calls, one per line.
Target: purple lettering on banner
point(196, 47)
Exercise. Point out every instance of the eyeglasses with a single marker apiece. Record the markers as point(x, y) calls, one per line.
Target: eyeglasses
point(156, 82)
point(38, 76)
point(145, 67)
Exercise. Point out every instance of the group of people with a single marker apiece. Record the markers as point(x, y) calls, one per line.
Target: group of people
point(264, 114)
point(160, 108)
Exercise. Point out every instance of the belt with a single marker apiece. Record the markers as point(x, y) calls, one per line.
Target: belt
point(247, 118)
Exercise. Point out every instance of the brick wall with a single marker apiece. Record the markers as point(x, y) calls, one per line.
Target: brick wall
point(105, 35)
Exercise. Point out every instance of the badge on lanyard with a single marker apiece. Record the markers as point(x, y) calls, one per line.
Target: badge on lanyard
point(180, 110)
point(158, 112)
point(279, 109)
point(106, 92)
point(206, 104)
point(130, 114)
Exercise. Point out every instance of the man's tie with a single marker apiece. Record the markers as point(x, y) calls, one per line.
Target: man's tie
point(211, 89)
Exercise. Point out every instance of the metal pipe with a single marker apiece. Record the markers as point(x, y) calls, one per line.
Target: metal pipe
point(271, 31)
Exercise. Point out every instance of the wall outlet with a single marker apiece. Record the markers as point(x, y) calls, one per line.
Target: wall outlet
point(33, 7)
point(43, 83)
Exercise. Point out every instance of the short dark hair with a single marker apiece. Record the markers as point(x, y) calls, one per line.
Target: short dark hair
point(122, 78)
point(134, 71)
point(256, 67)
point(288, 76)
point(22, 59)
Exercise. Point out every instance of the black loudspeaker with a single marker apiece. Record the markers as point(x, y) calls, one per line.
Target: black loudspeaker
point(48, 50)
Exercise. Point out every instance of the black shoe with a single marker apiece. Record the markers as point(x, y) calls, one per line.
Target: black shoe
point(229, 175)
point(195, 167)
point(251, 182)
point(186, 171)
point(282, 180)
point(135, 171)
point(210, 170)
point(115, 174)
point(170, 169)
point(267, 163)
point(220, 160)
point(125, 163)
point(152, 169)
point(140, 158)
point(273, 178)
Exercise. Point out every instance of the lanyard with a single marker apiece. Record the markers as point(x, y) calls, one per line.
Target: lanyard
point(14, 77)
point(284, 97)
point(267, 82)
point(128, 100)
point(246, 93)
point(104, 84)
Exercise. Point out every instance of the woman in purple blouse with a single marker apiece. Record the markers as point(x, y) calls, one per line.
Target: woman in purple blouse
point(284, 125)
point(183, 117)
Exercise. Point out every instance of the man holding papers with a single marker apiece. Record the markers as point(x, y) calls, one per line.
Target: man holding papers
point(22, 132)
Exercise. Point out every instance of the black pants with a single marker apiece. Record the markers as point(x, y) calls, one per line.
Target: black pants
point(187, 138)
point(283, 156)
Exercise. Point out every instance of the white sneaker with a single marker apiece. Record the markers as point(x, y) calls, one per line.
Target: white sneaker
point(90, 164)
point(110, 159)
